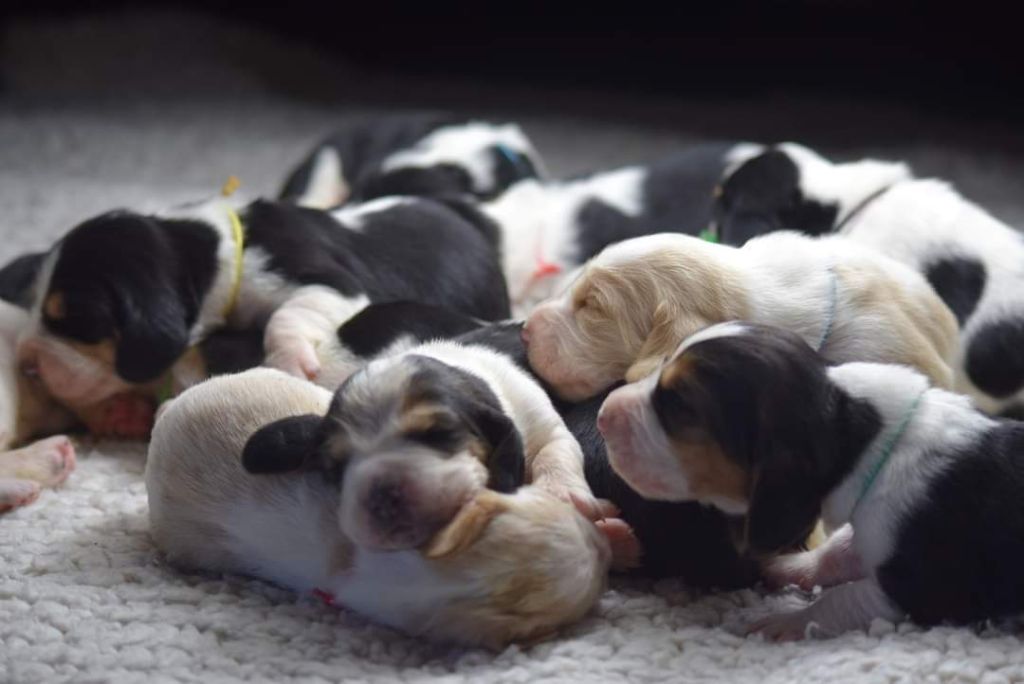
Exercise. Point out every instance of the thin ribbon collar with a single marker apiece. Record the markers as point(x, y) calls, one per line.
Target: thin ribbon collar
point(238, 236)
point(861, 207)
point(885, 453)
point(542, 268)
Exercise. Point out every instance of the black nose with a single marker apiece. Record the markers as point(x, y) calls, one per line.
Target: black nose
point(386, 504)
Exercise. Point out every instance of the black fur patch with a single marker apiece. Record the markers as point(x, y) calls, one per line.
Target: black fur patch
point(957, 555)
point(18, 277)
point(439, 180)
point(285, 445)
point(417, 250)
point(376, 327)
point(995, 358)
point(137, 278)
point(959, 282)
point(763, 195)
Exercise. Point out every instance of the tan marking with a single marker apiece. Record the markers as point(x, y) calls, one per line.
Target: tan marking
point(467, 526)
point(54, 306)
point(678, 371)
point(710, 472)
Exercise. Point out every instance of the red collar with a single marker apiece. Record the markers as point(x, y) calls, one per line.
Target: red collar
point(325, 596)
point(542, 269)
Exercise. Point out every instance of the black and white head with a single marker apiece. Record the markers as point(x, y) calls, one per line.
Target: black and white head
point(117, 298)
point(409, 440)
point(791, 187)
point(742, 417)
point(475, 159)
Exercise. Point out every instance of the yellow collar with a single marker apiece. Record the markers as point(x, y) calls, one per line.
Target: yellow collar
point(238, 235)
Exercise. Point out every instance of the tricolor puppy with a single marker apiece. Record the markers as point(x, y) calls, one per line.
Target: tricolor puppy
point(632, 304)
point(424, 155)
point(549, 228)
point(27, 412)
point(922, 489)
point(124, 298)
point(683, 540)
point(500, 568)
point(970, 258)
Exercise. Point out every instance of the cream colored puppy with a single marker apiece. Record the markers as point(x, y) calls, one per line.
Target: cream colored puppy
point(508, 567)
point(633, 303)
point(26, 411)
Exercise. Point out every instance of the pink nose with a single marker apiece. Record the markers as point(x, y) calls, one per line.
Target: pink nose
point(524, 335)
point(609, 419)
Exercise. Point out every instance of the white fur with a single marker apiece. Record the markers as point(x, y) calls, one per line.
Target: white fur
point(353, 216)
point(464, 145)
point(326, 187)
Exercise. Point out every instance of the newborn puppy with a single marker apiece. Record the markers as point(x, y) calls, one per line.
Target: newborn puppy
point(970, 258)
point(634, 302)
point(124, 298)
point(549, 228)
point(689, 541)
point(425, 155)
point(27, 412)
point(506, 567)
point(923, 489)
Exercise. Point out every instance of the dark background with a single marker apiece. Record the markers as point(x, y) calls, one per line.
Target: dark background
point(963, 58)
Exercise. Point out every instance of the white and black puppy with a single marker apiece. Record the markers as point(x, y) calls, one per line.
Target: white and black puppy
point(969, 257)
point(922, 489)
point(549, 228)
point(503, 567)
point(632, 304)
point(428, 155)
point(123, 296)
point(688, 541)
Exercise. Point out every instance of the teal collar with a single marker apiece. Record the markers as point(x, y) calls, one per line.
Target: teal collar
point(885, 453)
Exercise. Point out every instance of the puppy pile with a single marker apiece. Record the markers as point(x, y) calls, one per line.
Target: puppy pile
point(711, 356)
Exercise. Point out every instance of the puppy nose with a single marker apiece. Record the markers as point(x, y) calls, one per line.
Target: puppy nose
point(28, 358)
point(386, 503)
point(524, 335)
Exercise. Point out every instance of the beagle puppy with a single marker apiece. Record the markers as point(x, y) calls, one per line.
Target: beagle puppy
point(921, 489)
point(123, 299)
point(26, 413)
point(685, 540)
point(502, 567)
point(632, 304)
point(971, 258)
point(426, 155)
point(549, 228)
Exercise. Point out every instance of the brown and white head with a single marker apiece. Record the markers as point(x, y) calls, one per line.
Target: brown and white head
point(629, 308)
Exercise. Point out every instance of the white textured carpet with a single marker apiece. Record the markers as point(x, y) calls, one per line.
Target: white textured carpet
point(90, 121)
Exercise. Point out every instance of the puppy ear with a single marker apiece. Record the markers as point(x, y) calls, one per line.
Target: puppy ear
point(283, 446)
point(784, 502)
point(736, 228)
point(668, 328)
point(467, 526)
point(507, 461)
point(151, 337)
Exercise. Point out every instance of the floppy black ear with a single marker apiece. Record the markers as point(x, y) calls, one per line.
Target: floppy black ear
point(151, 337)
point(785, 501)
point(283, 446)
point(507, 462)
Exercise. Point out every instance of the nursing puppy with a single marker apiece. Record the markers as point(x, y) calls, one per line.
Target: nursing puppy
point(124, 298)
point(923, 490)
point(26, 413)
point(505, 567)
point(634, 302)
point(688, 541)
point(425, 155)
point(970, 258)
point(549, 228)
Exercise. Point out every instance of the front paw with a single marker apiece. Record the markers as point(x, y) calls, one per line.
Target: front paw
point(15, 493)
point(784, 627)
point(123, 416)
point(797, 569)
point(295, 356)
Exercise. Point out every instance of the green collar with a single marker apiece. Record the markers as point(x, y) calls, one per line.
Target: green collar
point(888, 446)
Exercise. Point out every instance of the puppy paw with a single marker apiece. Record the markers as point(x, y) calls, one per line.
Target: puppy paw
point(123, 416)
point(799, 569)
point(792, 626)
point(293, 355)
point(16, 493)
point(46, 463)
point(626, 548)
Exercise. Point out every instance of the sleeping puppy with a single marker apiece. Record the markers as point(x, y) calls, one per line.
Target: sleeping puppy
point(27, 412)
point(123, 298)
point(970, 258)
point(425, 155)
point(549, 228)
point(688, 541)
point(634, 302)
point(922, 489)
point(502, 568)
